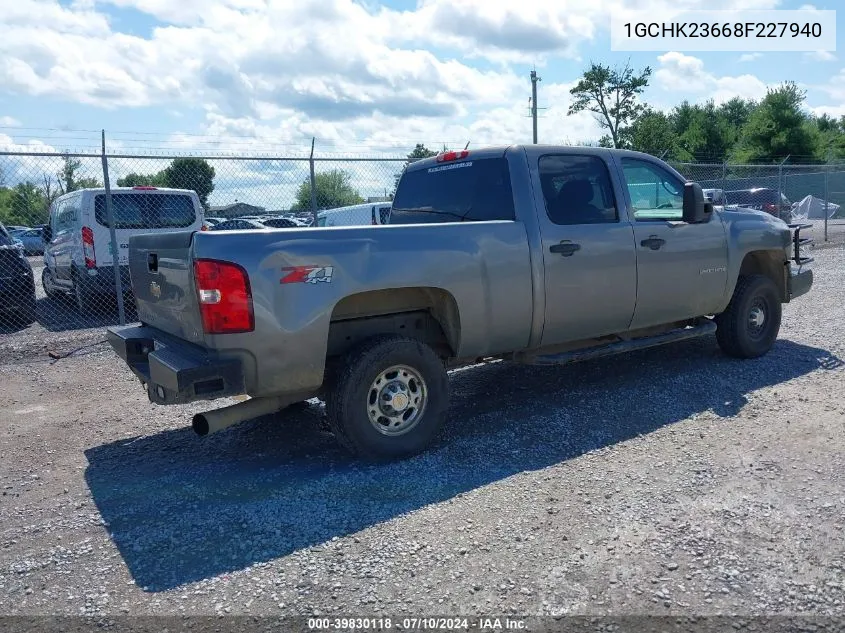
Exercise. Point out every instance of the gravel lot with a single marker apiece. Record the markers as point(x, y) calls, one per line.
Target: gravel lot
point(670, 481)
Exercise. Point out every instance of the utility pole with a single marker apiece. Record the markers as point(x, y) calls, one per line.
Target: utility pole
point(534, 80)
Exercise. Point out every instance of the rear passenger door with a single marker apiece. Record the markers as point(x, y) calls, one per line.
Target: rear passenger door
point(588, 250)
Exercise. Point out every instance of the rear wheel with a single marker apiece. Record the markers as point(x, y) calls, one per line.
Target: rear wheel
point(83, 296)
point(388, 399)
point(750, 324)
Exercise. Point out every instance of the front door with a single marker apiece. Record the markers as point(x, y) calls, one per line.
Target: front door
point(588, 250)
point(681, 268)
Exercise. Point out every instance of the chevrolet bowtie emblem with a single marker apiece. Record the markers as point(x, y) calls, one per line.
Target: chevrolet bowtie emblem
point(155, 290)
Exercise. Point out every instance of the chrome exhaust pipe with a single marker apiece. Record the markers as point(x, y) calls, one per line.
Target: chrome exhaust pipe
point(219, 419)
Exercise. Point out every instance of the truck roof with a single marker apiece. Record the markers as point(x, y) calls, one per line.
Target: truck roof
point(532, 151)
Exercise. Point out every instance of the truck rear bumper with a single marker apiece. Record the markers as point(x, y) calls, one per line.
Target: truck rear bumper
point(174, 371)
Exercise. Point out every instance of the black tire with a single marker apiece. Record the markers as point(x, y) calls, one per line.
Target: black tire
point(740, 332)
point(83, 296)
point(28, 313)
point(50, 294)
point(352, 396)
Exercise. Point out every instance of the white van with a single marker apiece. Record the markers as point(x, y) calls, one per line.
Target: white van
point(78, 258)
point(356, 215)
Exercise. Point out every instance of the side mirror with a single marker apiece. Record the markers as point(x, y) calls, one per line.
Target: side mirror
point(47, 233)
point(696, 208)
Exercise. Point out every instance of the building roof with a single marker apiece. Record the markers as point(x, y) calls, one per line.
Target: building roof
point(234, 205)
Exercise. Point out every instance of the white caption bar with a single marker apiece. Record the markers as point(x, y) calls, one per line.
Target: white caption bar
point(750, 31)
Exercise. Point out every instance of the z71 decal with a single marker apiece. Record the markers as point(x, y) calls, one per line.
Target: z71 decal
point(307, 274)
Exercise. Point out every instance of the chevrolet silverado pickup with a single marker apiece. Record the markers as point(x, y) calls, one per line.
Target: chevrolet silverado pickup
point(532, 254)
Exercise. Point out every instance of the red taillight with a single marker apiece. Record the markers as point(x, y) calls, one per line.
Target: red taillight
point(449, 156)
point(225, 297)
point(88, 247)
point(771, 208)
point(203, 228)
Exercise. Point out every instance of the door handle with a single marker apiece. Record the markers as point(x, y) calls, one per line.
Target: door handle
point(565, 248)
point(653, 242)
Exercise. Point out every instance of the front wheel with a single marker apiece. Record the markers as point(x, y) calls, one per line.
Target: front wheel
point(388, 398)
point(750, 324)
point(47, 283)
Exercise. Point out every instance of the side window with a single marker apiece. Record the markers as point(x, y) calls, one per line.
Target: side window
point(655, 193)
point(577, 189)
point(60, 223)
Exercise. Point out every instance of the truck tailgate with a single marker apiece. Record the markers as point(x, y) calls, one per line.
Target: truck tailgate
point(163, 283)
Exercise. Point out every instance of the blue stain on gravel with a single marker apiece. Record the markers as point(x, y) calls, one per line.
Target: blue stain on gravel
point(182, 509)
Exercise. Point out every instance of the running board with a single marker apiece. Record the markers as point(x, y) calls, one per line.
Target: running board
point(702, 328)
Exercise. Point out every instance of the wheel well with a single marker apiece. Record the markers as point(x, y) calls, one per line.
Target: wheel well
point(428, 314)
point(769, 263)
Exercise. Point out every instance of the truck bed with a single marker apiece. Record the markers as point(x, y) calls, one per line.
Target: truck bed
point(484, 267)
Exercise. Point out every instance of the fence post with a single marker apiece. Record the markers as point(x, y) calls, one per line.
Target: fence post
point(724, 174)
point(118, 283)
point(313, 183)
point(826, 199)
point(780, 183)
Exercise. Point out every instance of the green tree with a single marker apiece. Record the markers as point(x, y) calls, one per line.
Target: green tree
point(195, 174)
point(419, 152)
point(191, 173)
point(23, 204)
point(69, 178)
point(702, 132)
point(333, 189)
point(653, 134)
point(611, 94)
point(142, 180)
point(778, 128)
point(831, 137)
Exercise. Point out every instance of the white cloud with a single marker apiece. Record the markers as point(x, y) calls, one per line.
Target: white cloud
point(835, 111)
point(7, 121)
point(835, 88)
point(820, 56)
point(750, 57)
point(685, 73)
point(281, 71)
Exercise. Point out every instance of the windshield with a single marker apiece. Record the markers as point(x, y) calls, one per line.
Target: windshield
point(147, 210)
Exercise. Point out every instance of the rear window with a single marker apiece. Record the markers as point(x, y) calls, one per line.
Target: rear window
point(466, 191)
point(146, 210)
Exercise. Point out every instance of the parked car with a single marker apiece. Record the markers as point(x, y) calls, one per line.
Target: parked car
point(355, 215)
point(533, 254)
point(15, 228)
point(31, 240)
point(209, 223)
point(245, 224)
point(17, 286)
point(762, 199)
point(716, 196)
point(78, 258)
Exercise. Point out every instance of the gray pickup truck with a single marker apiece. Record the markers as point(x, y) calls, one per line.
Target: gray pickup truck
point(532, 254)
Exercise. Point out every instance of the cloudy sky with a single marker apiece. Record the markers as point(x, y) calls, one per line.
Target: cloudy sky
point(359, 75)
point(353, 73)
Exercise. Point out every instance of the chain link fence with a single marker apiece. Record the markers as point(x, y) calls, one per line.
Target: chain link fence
point(68, 219)
point(812, 194)
point(63, 261)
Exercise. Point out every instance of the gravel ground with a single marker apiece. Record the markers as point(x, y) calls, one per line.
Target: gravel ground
point(672, 481)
